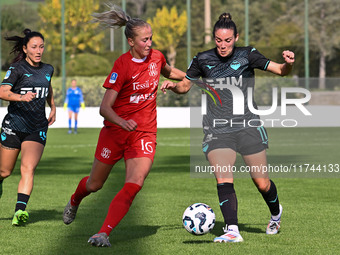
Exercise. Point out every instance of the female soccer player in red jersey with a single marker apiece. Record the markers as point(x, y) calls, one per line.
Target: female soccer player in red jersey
point(27, 85)
point(129, 109)
point(219, 67)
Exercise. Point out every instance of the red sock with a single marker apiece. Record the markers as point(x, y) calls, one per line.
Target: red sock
point(80, 193)
point(119, 206)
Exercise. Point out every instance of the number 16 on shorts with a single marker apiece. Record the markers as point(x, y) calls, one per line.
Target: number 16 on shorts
point(147, 147)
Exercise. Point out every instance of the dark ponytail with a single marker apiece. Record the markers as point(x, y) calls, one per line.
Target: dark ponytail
point(22, 41)
point(225, 22)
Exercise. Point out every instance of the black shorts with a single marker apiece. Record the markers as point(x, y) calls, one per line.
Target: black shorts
point(246, 141)
point(14, 139)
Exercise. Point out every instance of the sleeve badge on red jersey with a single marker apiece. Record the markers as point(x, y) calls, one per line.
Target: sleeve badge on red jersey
point(113, 78)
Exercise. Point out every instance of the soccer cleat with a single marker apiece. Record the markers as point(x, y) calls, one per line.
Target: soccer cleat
point(229, 236)
point(99, 240)
point(70, 131)
point(274, 225)
point(19, 218)
point(70, 212)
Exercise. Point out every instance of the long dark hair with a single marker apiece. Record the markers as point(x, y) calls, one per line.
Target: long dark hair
point(22, 41)
point(225, 22)
point(115, 17)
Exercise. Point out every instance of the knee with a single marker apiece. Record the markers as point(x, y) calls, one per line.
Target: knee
point(4, 173)
point(93, 186)
point(27, 170)
point(263, 185)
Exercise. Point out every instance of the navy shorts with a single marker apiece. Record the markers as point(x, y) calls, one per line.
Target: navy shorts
point(14, 139)
point(246, 141)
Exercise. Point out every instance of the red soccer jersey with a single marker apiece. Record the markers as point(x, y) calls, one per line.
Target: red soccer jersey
point(136, 81)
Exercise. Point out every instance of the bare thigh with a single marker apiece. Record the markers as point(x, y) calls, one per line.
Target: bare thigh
point(8, 158)
point(223, 159)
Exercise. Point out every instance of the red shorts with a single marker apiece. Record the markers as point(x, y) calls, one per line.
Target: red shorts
point(115, 143)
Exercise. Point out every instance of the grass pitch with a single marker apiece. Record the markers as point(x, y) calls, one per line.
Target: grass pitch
point(310, 222)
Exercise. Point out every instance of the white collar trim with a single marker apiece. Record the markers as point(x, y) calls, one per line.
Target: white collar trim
point(139, 60)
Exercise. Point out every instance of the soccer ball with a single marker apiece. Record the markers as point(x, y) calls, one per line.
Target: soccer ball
point(199, 219)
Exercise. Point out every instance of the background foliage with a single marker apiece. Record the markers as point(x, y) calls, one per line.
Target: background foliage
point(274, 27)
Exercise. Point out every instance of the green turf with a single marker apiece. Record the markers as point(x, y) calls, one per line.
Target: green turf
point(310, 223)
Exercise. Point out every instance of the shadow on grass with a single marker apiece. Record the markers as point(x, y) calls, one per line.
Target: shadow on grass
point(40, 215)
point(121, 234)
point(57, 165)
point(197, 242)
point(219, 225)
point(44, 215)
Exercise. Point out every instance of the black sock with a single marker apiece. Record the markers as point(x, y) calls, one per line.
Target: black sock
point(272, 199)
point(228, 202)
point(22, 202)
point(1, 187)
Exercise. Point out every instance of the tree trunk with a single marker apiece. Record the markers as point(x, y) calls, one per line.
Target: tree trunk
point(322, 70)
point(322, 62)
point(171, 54)
point(207, 22)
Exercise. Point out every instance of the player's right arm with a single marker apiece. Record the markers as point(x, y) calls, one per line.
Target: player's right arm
point(8, 95)
point(110, 115)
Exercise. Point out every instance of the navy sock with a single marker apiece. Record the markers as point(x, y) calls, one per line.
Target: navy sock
point(228, 202)
point(272, 199)
point(22, 202)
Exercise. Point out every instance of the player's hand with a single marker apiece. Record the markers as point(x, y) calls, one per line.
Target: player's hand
point(29, 96)
point(129, 125)
point(288, 56)
point(166, 85)
point(52, 117)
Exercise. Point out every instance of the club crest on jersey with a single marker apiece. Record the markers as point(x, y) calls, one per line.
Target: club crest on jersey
point(48, 76)
point(235, 65)
point(8, 73)
point(113, 78)
point(152, 69)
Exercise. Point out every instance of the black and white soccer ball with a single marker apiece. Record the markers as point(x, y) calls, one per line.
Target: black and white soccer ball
point(199, 219)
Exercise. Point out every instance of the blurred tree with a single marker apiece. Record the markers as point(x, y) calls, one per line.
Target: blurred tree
point(81, 34)
point(324, 21)
point(14, 20)
point(168, 28)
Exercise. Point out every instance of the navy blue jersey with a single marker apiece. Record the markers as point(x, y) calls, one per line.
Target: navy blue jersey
point(30, 116)
point(227, 80)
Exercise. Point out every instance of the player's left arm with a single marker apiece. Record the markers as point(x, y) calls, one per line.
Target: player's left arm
point(81, 99)
point(284, 68)
point(50, 100)
point(172, 73)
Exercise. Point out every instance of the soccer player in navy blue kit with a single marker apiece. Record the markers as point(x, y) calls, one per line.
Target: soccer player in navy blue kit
point(27, 86)
point(224, 69)
point(74, 100)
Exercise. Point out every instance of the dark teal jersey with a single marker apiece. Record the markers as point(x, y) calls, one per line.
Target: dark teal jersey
point(226, 81)
point(30, 116)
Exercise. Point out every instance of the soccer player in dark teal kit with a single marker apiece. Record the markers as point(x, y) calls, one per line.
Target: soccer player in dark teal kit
point(73, 101)
point(27, 86)
point(224, 69)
